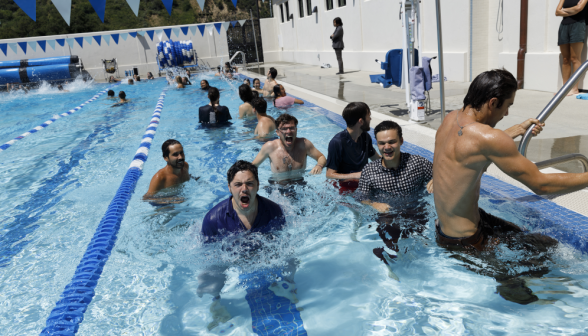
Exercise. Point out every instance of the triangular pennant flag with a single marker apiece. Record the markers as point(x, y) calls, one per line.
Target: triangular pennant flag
point(99, 6)
point(168, 5)
point(141, 32)
point(193, 30)
point(234, 23)
point(70, 41)
point(124, 36)
point(226, 25)
point(115, 38)
point(242, 22)
point(201, 28)
point(150, 33)
point(159, 33)
point(133, 35)
point(42, 44)
point(88, 39)
point(23, 46)
point(51, 43)
point(61, 42)
point(134, 6)
point(33, 45)
point(234, 3)
point(64, 8)
point(184, 30)
point(106, 39)
point(201, 4)
point(4, 48)
point(167, 32)
point(176, 31)
point(80, 41)
point(210, 28)
point(13, 47)
point(97, 38)
point(218, 27)
point(29, 7)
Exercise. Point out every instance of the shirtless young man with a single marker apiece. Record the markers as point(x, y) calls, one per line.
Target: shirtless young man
point(270, 82)
point(466, 144)
point(246, 95)
point(288, 153)
point(266, 125)
point(175, 172)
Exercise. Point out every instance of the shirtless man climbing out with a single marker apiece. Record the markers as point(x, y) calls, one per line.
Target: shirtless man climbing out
point(266, 125)
point(465, 145)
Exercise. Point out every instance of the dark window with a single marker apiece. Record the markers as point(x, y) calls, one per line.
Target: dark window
point(282, 12)
point(342, 3)
point(329, 4)
point(301, 7)
point(287, 11)
point(309, 7)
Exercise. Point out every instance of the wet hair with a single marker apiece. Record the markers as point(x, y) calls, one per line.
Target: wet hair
point(227, 64)
point(256, 79)
point(273, 72)
point(286, 119)
point(497, 83)
point(131, 81)
point(138, 78)
point(240, 166)
point(179, 80)
point(355, 111)
point(122, 95)
point(245, 93)
point(388, 125)
point(207, 84)
point(214, 95)
point(255, 94)
point(149, 74)
point(247, 81)
point(166, 144)
point(277, 92)
point(110, 93)
point(338, 21)
point(260, 105)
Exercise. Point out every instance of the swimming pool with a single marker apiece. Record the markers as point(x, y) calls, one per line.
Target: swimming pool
point(59, 182)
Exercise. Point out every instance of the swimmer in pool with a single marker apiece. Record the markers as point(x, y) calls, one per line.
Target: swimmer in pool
point(112, 80)
point(266, 125)
point(175, 172)
point(179, 82)
point(246, 95)
point(270, 81)
point(188, 73)
point(123, 97)
point(186, 81)
point(204, 86)
point(150, 75)
point(288, 153)
point(257, 86)
point(466, 145)
point(138, 79)
point(131, 81)
point(110, 94)
point(60, 88)
point(247, 82)
point(281, 100)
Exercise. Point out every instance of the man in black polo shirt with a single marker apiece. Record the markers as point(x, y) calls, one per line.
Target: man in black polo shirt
point(350, 149)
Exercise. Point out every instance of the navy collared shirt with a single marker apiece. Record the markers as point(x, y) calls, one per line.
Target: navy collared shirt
point(347, 156)
point(222, 219)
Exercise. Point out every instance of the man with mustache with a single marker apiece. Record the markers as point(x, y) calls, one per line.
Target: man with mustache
point(175, 172)
point(350, 149)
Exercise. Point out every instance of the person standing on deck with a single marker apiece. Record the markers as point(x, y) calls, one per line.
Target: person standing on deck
point(571, 36)
point(338, 45)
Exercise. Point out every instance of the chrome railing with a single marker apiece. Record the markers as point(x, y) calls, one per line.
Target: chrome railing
point(242, 56)
point(549, 108)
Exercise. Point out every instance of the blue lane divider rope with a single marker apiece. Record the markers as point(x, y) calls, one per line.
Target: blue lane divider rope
point(69, 311)
point(52, 120)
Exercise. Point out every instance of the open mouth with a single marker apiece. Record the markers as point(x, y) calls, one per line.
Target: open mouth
point(245, 199)
point(289, 139)
point(388, 154)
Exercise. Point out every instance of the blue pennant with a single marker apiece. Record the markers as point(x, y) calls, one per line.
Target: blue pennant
point(115, 38)
point(234, 4)
point(29, 7)
point(80, 41)
point(23, 46)
point(184, 30)
point(150, 33)
point(42, 44)
point(99, 6)
point(60, 41)
point(218, 27)
point(168, 5)
point(97, 38)
point(167, 32)
point(201, 28)
point(4, 47)
point(234, 23)
point(133, 35)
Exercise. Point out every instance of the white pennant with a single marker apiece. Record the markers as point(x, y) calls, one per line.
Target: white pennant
point(159, 34)
point(64, 8)
point(193, 29)
point(134, 6)
point(51, 43)
point(226, 25)
point(201, 4)
point(242, 22)
point(124, 36)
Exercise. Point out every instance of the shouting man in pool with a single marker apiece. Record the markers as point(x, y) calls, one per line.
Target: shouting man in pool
point(175, 172)
point(465, 145)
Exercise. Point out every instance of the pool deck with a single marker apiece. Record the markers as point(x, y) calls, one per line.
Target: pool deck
point(388, 104)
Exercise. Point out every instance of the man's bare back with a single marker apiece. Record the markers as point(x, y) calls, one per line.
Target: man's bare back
point(266, 126)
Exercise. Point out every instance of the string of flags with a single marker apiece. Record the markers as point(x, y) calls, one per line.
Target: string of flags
point(64, 7)
point(78, 42)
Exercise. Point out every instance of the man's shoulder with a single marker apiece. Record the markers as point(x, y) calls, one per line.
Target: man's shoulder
point(270, 205)
point(415, 158)
point(339, 136)
point(217, 210)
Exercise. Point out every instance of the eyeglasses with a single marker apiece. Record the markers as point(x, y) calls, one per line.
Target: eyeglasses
point(285, 129)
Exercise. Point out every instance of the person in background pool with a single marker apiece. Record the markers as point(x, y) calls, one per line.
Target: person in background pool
point(138, 78)
point(131, 81)
point(175, 172)
point(288, 155)
point(350, 149)
point(111, 79)
point(150, 75)
point(122, 99)
point(60, 88)
point(110, 94)
point(281, 100)
point(214, 114)
point(271, 80)
point(257, 86)
point(247, 82)
point(204, 86)
point(246, 95)
point(188, 74)
point(186, 81)
point(179, 83)
point(266, 125)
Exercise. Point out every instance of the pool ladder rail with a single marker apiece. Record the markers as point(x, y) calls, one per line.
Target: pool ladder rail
point(547, 110)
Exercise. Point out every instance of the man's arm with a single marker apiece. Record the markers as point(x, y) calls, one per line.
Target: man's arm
point(332, 174)
point(157, 183)
point(298, 101)
point(521, 128)
point(502, 151)
point(263, 154)
point(314, 153)
point(333, 162)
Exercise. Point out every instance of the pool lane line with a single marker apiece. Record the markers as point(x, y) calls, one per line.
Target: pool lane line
point(52, 120)
point(69, 311)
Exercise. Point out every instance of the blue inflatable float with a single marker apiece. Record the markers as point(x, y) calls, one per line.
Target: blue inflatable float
point(40, 69)
point(23, 63)
point(175, 53)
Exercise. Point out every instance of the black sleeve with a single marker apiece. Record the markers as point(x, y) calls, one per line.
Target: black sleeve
point(370, 145)
point(225, 114)
point(203, 116)
point(334, 155)
point(338, 34)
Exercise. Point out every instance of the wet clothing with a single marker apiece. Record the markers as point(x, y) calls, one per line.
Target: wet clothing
point(580, 17)
point(222, 219)
point(345, 186)
point(206, 115)
point(377, 181)
point(571, 33)
point(347, 156)
point(284, 102)
point(285, 188)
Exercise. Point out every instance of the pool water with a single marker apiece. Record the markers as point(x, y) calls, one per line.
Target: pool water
point(58, 183)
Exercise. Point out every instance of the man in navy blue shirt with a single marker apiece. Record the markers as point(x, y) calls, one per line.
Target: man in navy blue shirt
point(244, 210)
point(350, 149)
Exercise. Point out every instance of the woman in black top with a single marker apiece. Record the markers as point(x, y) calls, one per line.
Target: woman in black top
point(571, 36)
point(338, 45)
point(213, 114)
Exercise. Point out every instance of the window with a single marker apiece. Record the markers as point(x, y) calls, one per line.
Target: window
point(342, 3)
point(329, 4)
point(287, 11)
point(282, 12)
point(309, 7)
point(301, 7)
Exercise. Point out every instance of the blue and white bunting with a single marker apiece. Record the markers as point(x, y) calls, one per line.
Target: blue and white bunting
point(64, 8)
point(176, 31)
point(80, 41)
point(159, 33)
point(99, 6)
point(115, 37)
point(4, 48)
point(168, 5)
point(13, 47)
point(184, 30)
point(29, 7)
point(133, 34)
point(226, 25)
point(193, 29)
point(106, 39)
point(61, 42)
point(242, 22)
point(134, 4)
point(33, 45)
point(201, 4)
point(42, 44)
point(124, 36)
point(70, 41)
point(167, 32)
point(51, 43)
point(150, 34)
point(201, 28)
point(88, 39)
point(234, 3)
point(23, 46)
point(97, 38)
point(218, 27)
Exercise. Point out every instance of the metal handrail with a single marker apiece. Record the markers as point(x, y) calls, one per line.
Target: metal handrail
point(242, 55)
point(563, 159)
point(552, 105)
